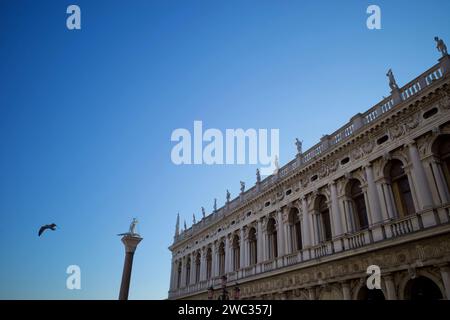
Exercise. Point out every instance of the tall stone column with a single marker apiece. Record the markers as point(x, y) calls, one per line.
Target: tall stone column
point(445, 274)
point(311, 293)
point(374, 200)
point(288, 243)
point(419, 175)
point(337, 222)
point(346, 291)
point(259, 249)
point(203, 264)
point(306, 223)
point(172, 271)
point(193, 269)
point(131, 243)
point(215, 261)
point(228, 257)
point(441, 183)
point(242, 248)
point(281, 236)
point(388, 200)
point(390, 287)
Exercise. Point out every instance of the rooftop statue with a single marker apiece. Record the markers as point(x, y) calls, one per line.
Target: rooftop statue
point(440, 45)
point(298, 144)
point(392, 83)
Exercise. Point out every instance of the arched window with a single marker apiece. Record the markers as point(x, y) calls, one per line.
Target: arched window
point(323, 219)
point(197, 267)
point(295, 230)
point(208, 263)
point(236, 253)
point(252, 242)
point(188, 271)
point(272, 238)
point(222, 259)
point(358, 205)
point(400, 188)
point(441, 150)
point(180, 268)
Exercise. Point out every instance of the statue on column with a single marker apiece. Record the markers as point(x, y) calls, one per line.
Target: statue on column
point(242, 186)
point(133, 226)
point(298, 144)
point(203, 213)
point(132, 230)
point(392, 83)
point(228, 196)
point(193, 219)
point(215, 205)
point(185, 227)
point(258, 176)
point(441, 47)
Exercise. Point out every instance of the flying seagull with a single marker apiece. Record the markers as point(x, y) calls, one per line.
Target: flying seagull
point(47, 226)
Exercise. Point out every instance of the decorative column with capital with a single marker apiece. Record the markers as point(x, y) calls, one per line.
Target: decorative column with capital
point(422, 185)
point(346, 290)
point(390, 287)
point(374, 200)
point(337, 223)
point(307, 240)
point(445, 274)
point(242, 249)
point(281, 237)
point(131, 242)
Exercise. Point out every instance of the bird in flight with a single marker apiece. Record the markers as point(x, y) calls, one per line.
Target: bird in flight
point(47, 226)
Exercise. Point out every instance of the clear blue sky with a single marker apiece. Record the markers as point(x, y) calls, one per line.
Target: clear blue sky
point(86, 116)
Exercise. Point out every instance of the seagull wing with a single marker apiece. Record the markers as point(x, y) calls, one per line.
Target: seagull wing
point(41, 230)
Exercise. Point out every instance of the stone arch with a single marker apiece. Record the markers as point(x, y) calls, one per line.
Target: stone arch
point(404, 286)
point(364, 293)
point(361, 284)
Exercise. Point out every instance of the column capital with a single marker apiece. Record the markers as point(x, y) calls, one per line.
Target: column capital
point(367, 165)
point(411, 143)
point(131, 243)
point(388, 276)
point(331, 183)
point(444, 267)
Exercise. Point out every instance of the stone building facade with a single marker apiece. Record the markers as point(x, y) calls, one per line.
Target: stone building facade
point(374, 192)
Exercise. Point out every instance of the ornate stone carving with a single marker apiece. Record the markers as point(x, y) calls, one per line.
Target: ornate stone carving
point(356, 153)
point(304, 183)
point(397, 131)
point(444, 102)
point(323, 172)
point(334, 166)
point(412, 122)
point(368, 146)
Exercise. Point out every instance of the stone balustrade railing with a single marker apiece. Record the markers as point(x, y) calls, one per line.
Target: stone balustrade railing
point(357, 123)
